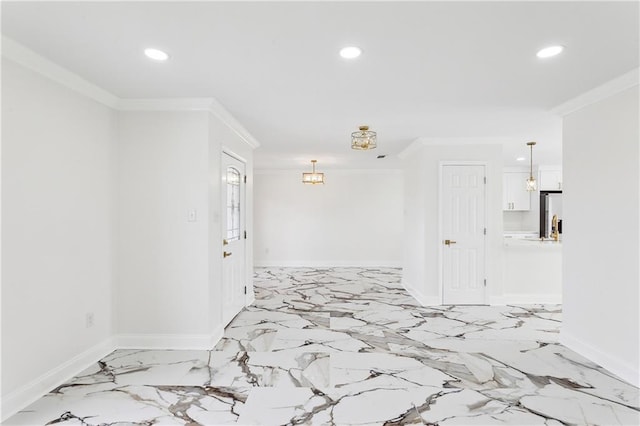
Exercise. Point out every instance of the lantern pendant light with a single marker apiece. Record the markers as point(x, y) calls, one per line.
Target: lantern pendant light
point(313, 178)
point(364, 139)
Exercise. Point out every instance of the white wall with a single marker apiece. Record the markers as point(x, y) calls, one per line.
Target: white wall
point(95, 208)
point(222, 137)
point(57, 221)
point(414, 270)
point(422, 241)
point(601, 226)
point(169, 269)
point(162, 256)
point(355, 218)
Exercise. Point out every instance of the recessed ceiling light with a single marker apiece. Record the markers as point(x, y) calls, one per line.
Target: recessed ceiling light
point(550, 51)
point(350, 52)
point(156, 55)
point(520, 159)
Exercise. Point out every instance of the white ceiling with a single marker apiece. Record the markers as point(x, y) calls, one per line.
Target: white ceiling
point(428, 69)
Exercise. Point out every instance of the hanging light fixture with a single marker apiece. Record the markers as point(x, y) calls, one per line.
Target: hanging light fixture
point(531, 181)
point(313, 178)
point(363, 138)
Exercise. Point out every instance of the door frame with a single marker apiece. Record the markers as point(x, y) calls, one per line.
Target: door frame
point(247, 278)
point(441, 165)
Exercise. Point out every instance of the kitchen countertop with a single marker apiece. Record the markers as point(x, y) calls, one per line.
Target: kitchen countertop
point(532, 243)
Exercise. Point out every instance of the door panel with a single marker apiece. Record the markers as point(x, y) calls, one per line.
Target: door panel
point(463, 229)
point(233, 243)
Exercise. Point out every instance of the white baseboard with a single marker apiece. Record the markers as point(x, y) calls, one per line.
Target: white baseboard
point(421, 298)
point(216, 336)
point(526, 299)
point(497, 301)
point(170, 341)
point(327, 264)
point(34, 390)
point(622, 369)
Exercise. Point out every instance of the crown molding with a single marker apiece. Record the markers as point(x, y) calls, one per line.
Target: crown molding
point(210, 105)
point(35, 62)
point(225, 116)
point(608, 89)
point(164, 104)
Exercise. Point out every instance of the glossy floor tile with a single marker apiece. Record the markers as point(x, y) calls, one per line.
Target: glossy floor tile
point(349, 346)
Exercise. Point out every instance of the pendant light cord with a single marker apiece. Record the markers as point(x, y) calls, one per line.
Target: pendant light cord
point(531, 144)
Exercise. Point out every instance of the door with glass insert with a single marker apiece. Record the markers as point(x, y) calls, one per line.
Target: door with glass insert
point(233, 234)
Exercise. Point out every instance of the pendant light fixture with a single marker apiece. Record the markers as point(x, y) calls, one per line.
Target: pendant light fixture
point(532, 185)
point(363, 139)
point(313, 178)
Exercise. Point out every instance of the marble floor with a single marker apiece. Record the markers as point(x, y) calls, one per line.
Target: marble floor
point(349, 346)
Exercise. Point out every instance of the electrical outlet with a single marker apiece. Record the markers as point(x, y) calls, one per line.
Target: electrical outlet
point(88, 319)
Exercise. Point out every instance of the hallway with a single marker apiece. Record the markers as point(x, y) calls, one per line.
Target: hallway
point(350, 346)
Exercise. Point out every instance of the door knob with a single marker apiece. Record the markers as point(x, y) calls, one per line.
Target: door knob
point(226, 254)
point(449, 242)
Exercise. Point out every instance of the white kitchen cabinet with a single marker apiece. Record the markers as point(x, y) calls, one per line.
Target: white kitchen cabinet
point(515, 196)
point(550, 178)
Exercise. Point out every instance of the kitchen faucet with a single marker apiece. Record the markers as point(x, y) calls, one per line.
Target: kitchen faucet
point(554, 228)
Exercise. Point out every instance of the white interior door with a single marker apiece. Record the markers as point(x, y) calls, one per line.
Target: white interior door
point(463, 232)
point(233, 233)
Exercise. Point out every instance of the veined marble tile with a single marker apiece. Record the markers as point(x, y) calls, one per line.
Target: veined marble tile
point(349, 346)
point(541, 363)
point(249, 338)
point(380, 406)
point(489, 322)
point(170, 405)
point(316, 341)
point(314, 407)
point(271, 406)
point(269, 369)
point(460, 405)
point(441, 326)
point(346, 323)
point(393, 317)
point(147, 367)
point(357, 372)
point(276, 320)
point(576, 407)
